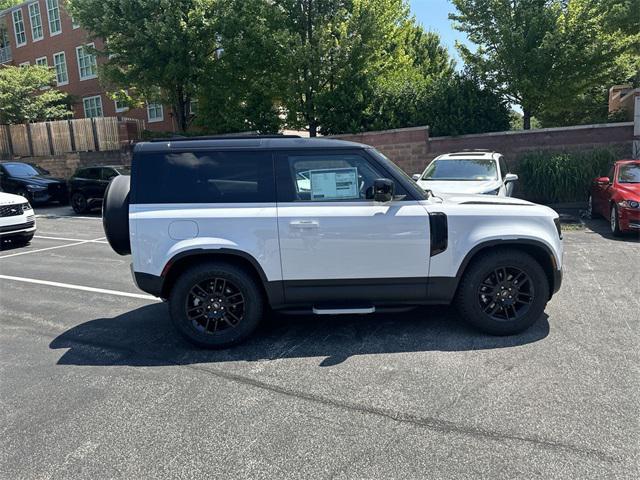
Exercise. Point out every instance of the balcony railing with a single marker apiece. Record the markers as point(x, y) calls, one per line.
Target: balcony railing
point(5, 54)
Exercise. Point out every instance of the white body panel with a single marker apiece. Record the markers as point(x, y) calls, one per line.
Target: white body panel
point(350, 240)
point(499, 219)
point(7, 199)
point(248, 228)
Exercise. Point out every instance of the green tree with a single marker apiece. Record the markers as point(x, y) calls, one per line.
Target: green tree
point(4, 4)
point(159, 49)
point(531, 51)
point(246, 82)
point(25, 96)
point(337, 50)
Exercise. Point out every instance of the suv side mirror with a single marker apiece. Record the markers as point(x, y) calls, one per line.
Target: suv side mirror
point(603, 180)
point(383, 190)
point(510, 177)
point(416, 176)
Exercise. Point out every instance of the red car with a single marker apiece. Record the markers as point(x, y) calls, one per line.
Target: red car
point(617, 197)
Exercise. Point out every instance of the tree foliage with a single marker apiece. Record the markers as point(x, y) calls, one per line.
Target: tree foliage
point(25, 96)
point(537, 52)
point(4, 4)
point(160, 49)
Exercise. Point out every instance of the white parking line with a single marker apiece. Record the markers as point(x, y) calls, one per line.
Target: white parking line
point(79, 287)
point(49, 248)
point(100, 240)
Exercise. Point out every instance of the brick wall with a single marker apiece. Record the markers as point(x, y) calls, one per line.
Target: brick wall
point(408, 147)
point(412, 148)
point(65, 165)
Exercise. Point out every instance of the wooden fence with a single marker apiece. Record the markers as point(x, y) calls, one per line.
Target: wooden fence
point(66, 136)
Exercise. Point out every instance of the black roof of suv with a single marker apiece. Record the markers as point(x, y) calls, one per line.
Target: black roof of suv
point(262, 143)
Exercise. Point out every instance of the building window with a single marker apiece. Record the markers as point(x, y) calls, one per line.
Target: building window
point(121, 106)
point(42, 61)
point(74, 23)
point(92, 106)
point(36, 22)
point(53, 13)
point(193, 107)
point(18, 28)
point(87, 65)
point(155, 112)
point(60, 64)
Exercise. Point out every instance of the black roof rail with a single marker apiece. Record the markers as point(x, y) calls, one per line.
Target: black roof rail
point(182, 138)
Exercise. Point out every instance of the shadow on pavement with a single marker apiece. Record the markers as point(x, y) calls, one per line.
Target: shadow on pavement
point(145, 337)
point(602, 228)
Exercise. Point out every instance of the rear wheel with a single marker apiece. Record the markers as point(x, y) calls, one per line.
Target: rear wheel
point(503, 292)
point(216, 305)
point(614, 221)
point(79, 202)
point(115, 214)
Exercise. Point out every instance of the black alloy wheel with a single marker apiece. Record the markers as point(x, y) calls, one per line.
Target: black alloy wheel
point(79, 202)
point(215, 305)
point(506, 294)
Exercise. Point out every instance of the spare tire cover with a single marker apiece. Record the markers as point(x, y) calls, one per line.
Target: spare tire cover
point(115, 214)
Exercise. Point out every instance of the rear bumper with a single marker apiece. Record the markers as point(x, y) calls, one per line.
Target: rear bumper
point(151, 284)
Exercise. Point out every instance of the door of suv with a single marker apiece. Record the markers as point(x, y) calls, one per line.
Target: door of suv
point(336, 243)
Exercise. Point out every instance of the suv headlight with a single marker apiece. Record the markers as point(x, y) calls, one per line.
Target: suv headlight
point(492, 192)
point(629, 204)
point(35, 187)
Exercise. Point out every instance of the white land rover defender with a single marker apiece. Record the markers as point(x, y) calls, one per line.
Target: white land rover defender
point(224, 228)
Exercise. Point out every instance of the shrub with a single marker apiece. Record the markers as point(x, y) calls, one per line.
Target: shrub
point(548, 177)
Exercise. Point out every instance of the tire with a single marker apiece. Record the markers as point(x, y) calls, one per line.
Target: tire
point(614, 221)
point(490, 276)
point(214, 328)
point(79, 202)
point(115, 214)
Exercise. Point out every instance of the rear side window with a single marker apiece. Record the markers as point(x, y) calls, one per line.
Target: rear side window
point(89, 173)
point(203, 177)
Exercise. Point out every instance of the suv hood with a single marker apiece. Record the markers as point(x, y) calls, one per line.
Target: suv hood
point(466, 186)
point(10, 199)
point(461, 199)
point(39, 180)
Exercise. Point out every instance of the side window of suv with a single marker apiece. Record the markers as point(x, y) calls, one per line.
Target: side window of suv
point(204, 177)
point(108, 173)
point(327, 178)
point(89, 174)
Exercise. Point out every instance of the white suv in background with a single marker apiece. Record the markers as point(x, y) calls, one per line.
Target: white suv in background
point(17, 220)
point(225, 227)
point(475, 172)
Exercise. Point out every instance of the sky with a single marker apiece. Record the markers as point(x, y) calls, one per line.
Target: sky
point(433, 15)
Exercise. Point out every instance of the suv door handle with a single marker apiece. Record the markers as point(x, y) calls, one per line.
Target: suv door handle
point(304, 223)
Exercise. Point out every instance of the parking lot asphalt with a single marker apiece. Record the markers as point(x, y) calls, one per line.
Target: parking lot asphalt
point(95, 383)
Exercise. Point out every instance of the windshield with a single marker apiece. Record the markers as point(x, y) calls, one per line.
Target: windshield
point(21, 170)
point(410, 184)
point(461, 169)
point(629, 173)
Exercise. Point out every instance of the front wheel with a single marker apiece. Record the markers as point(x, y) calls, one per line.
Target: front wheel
point(503, 292)
point(614, 221)
point(216, 305)
point(79, 202)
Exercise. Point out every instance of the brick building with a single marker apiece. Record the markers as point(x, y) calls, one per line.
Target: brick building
point(41, 32)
